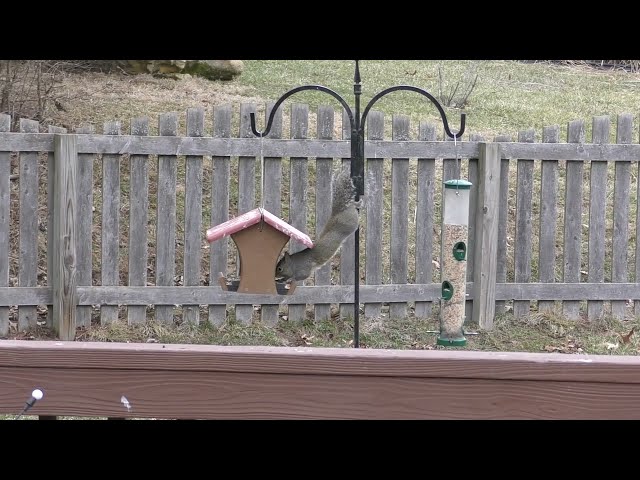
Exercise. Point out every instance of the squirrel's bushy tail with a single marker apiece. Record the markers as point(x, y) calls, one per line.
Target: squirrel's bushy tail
point(341, 183)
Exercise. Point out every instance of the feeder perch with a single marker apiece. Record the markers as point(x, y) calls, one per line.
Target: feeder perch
point(260, 237)
point(455, 232)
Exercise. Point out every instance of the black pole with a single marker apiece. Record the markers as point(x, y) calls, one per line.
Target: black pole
point(357, 154)
point(357, 173)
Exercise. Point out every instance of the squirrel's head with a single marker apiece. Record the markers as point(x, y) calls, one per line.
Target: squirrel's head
point(283, 271)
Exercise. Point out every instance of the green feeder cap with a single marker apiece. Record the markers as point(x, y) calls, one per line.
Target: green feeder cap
point(459, 183)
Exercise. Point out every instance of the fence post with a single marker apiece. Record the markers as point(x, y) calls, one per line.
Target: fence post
point(64, 235)
point(485, 254)
point(50, 253)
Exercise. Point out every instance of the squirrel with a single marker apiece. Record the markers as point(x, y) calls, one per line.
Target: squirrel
point(344, 220)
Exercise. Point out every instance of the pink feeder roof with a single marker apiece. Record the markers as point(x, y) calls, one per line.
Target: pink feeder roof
point(251, 218)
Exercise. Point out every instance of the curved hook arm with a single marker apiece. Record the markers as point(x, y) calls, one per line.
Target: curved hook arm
point(426, 94)
point(252, 115)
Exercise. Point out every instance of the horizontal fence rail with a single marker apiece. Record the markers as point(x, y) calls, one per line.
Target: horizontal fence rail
point(96, 227)
point(251, 147)
point(315, 294)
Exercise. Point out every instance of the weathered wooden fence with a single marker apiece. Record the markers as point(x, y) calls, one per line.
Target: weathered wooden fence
point(108, 225)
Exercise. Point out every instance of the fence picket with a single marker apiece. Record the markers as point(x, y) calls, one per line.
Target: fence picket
point(84, 231)
point(28, 255)
point(324, 169)
point(473, 200)
point(298, 168)
point(110, 223)
point(548, 217)
point(572, 252)
point(374, 206)
point(622, 182)
point(5, 201)
point(246, 193)
point(272, 195)
point(597, 211)
point(193, 237)
point(166, 217)
point(399, 239)
point(50, 209)
point(503, 217)
point(425, 213)
point(221, 168)
point(347, 251)
point(138, 219)
point(523, 240)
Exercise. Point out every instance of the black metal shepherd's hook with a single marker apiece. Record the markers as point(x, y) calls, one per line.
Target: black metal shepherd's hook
point(357, 124)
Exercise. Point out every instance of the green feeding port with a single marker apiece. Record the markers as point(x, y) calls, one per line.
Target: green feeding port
point(460, 251)
point(447, 290)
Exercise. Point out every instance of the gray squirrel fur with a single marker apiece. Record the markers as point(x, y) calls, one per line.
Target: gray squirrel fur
point(344, 220)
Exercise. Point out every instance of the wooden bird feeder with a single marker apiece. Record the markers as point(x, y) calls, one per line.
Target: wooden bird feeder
point(260, 237)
